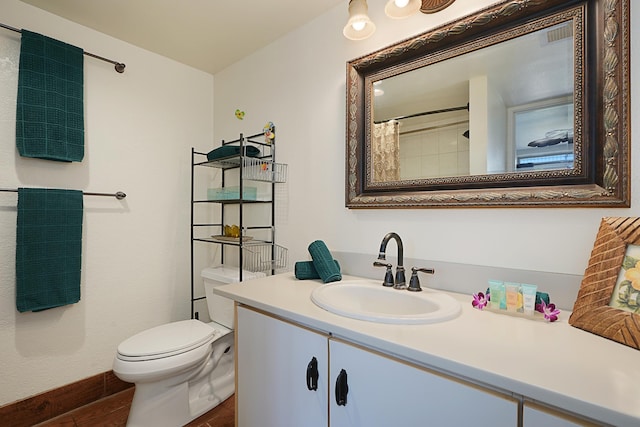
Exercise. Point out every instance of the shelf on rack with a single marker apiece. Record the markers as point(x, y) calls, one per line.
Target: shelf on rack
point(263, 170)
point(232, 242)
point(223, 238)
point(263, 256)
point(223, 163)
point(254, 168)
point(258, 255)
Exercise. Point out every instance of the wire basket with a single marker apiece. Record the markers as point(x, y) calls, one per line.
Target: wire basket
point(263, 170)
point(263, 257)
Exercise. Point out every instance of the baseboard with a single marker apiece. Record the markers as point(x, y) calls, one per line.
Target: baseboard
point(53, 403)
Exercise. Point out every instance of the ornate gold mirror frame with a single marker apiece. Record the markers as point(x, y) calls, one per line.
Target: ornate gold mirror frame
point(604, 117)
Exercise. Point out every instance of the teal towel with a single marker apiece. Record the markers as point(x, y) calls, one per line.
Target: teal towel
point(305, 270)
point(50, 107)
point(48, 248)
point(324, 262)
point(542, 296)
point(232, 150)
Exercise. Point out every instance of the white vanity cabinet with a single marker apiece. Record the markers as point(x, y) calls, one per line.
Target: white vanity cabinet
point(384, 391)
point(273, 358)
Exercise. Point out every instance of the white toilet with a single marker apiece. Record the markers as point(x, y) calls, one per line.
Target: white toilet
point(182, 369)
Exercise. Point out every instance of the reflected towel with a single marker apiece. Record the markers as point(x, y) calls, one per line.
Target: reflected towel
point(324, 262)
point(305, 270)
point(50, 107)
point(48, 248)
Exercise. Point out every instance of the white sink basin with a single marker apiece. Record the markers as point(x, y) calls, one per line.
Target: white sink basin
point(368, 300)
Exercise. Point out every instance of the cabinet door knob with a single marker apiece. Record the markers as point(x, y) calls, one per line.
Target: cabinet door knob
point(342, 388)
point(312, 374)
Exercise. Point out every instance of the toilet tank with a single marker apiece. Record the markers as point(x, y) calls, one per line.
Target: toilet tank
point(221, 308)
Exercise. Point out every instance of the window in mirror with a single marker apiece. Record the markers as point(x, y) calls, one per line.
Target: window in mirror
point(543, 136)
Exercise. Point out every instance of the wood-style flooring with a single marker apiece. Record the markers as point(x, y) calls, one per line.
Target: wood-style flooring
point(113, 411)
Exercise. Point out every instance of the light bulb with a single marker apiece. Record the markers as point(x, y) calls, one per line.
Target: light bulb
point(358, 25)
point(398, 9)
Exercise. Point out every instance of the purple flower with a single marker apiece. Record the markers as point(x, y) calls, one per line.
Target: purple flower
point(550, 311)
point(479, 301)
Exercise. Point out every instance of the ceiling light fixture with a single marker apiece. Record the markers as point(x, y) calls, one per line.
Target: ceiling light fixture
point(359, 26)
point(398, 9)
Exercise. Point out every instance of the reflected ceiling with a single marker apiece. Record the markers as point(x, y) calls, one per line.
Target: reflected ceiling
point(533, 59)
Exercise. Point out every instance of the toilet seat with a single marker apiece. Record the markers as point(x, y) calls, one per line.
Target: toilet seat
point(167, 340)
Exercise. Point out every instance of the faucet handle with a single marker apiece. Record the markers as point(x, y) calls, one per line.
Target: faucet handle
point(388, 275)
point(414, 282)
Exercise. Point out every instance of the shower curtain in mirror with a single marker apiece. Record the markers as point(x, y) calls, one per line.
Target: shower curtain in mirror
point(385, 150)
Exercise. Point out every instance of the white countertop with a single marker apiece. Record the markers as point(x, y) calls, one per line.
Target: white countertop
point(553, 363)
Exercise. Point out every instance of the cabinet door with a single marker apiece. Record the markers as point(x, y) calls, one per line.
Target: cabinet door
point(535, 416)
point(387, 392)
point(273, 360)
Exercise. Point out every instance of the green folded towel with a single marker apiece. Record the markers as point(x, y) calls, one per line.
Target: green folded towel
point(48, 248)
point(50, 107)
point(232, 150)
point(305, 270)
point(542, 296)
point(324, 262)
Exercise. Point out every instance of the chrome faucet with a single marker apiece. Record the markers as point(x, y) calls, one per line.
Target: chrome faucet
point(400, 282)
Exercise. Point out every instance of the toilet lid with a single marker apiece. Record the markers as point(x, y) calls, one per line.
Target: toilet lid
point(168, 339)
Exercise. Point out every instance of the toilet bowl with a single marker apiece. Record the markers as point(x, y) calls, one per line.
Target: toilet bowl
point(182, 381)
point(182, 369)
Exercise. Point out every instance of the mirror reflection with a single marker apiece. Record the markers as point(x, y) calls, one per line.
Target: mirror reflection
point(505, 108)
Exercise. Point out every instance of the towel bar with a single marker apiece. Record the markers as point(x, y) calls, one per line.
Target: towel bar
point(118, 195)
point(119, 66)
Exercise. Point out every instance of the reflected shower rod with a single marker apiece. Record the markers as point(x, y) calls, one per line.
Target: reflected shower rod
point(425, 113)
point(119, 66)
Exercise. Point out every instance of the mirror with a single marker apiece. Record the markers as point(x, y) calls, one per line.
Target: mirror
point(509, 96)
point(460, 117)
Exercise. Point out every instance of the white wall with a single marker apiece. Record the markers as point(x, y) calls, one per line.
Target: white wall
point(139, 127)
point(299, 83)
point(479, 124)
